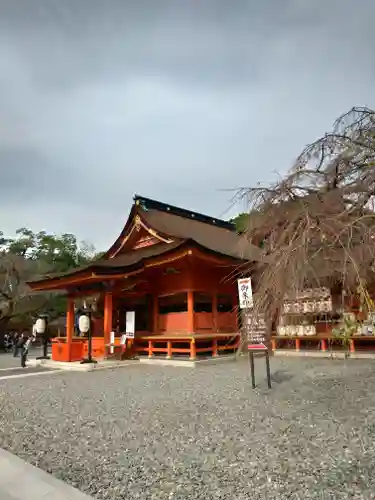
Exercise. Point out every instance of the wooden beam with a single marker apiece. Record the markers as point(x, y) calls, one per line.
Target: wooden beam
point(168, 260)
point(56, 284)
point(224, 261)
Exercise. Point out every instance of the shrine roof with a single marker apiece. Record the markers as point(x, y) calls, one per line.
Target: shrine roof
point(212, 233)
point(174, 228)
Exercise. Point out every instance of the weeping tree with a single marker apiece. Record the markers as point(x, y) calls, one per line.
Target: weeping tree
point(317, 223)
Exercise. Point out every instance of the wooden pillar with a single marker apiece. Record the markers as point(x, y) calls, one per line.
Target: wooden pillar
point(190, 306)
point(169, 349)
point(298, 344)
point(273, 344)
point(150, 349)
point(70, 326)
point(214, 312)
point(108, 317)
point(155, 314)
point(351, 346)
point(193, 349)
point(215, 350)
point(323, 345)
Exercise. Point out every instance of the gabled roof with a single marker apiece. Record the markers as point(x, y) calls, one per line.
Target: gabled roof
point(172, 228)
point(169, 221)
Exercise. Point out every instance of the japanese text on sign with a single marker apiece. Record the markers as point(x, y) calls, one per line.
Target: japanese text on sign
point(254, 327)
point(245, 293)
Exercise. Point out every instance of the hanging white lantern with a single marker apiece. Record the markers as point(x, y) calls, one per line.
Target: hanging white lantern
point(40, 325)
point(84, 323)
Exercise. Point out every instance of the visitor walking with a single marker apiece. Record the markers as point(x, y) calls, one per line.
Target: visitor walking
point(26, 342)
point(16, 341)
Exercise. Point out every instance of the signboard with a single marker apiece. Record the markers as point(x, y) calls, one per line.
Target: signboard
point(245, 293)
point(130, 324)
point(254, 327)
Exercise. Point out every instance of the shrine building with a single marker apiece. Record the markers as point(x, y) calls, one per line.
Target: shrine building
point(176, 270)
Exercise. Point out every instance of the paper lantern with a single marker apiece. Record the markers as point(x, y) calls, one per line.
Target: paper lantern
point(40, 325)
point(84, 323)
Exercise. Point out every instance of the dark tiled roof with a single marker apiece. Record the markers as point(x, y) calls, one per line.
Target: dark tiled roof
point(148, 204)
point(210, 236)
point(128, 259)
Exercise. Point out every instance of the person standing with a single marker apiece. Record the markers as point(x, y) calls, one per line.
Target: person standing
point(24, 346)
point(16, 340)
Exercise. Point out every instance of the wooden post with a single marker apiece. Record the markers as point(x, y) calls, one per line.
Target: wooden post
point(298, 344)
point(323, 345)
point(352, 346)
point(252, 369)
point(150, 353)
point(108, 318)
point(70, 326)
point(273, 344)
point(169, 349)
point(214, 312)
point(190, 300)
point(268, 369)
point(193, 350)
point(215, 351)
point(155, 314)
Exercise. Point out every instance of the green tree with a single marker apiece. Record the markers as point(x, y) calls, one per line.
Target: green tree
point(30, 256)
point(241, 222)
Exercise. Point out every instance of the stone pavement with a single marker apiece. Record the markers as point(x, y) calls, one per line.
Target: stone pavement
point(22, 481)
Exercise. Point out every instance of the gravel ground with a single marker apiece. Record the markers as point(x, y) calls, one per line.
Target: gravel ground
point(148, 432)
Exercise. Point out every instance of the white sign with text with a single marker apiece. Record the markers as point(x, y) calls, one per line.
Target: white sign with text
point(130, 324)
point(245, 293)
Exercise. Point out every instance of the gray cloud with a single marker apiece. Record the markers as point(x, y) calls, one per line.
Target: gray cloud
point(171, 99)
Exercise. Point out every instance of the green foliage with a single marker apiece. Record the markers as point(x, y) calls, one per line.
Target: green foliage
point(59, 252)
point(30, 256)
point(345, 330)
point(241, 221)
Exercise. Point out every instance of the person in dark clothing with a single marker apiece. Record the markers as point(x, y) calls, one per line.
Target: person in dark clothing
point(23, 344)
point(16, 347)
point(8, 344)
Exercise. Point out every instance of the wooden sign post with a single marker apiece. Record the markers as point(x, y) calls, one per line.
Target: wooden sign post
point(254, 328)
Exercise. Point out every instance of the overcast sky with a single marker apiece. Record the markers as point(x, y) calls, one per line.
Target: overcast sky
point(176, 100)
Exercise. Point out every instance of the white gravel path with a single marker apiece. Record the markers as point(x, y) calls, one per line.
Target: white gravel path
point(174, 433)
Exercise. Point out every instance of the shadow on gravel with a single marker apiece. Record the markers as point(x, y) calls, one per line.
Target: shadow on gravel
point(280, 376)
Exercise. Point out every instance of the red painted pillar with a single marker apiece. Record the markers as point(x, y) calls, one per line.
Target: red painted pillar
point(323, 345)
point(352, 346)
point(190, 304)
point(215, 350)
point(169, 349)
point(70, 326)
point(214, 312)
point(193, 349)
point(298, 344)
point(150, 350)
point(155, 314)
point(108, 318)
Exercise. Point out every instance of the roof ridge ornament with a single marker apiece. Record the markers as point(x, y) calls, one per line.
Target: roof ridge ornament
point(137, 222)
